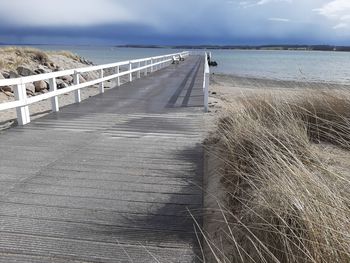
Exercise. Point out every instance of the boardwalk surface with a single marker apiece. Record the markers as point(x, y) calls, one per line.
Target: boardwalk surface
point(109, 180)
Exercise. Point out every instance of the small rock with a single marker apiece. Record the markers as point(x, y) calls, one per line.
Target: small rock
point(90, 76)
point(84, 61)
point(81, 79)
point(56, 69)
point(30, 93)
point(59, 81)
point(23, 71)
point(61, 84)
point(6, 88)
point(68, 79)
point(214, 93)
point(47, 84)
point(13, 75)
point(9, 94)
point(40, 85)
point(44, 69)
point(41, 70)
point(30, 87)
point(5, 74)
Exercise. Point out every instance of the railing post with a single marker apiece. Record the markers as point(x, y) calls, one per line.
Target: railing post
point(77, 93)
point(23, 116)
point(206, 92)
point(146, 69)
point(118, 78)
point(54, 100)
point(152, 65)
point(130, 69)
point(101, 86)
point(139, 71)
point(206, 83)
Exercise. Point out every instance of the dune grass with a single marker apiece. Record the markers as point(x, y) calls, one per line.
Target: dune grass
point(27, 53)
point(67, 54)
point(13, 57)
point(282, 203)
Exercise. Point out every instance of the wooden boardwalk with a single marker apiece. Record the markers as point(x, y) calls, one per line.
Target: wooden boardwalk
point(111, 179)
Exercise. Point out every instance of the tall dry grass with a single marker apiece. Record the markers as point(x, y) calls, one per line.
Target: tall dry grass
point(67, 54)
point(28, 53)
point(282, 203)
point(13, 57)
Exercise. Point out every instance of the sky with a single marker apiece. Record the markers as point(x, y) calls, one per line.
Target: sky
point(175, 22)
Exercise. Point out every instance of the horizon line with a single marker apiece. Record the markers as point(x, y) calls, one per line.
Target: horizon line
point(174, 45)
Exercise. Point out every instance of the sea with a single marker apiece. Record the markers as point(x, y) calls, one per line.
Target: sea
point(310, 66)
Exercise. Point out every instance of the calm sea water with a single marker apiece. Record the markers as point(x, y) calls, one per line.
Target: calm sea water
point(287, 65)
point(284, 65)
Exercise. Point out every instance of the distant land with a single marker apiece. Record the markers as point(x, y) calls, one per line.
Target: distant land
point(248, 47)
point(224, 47)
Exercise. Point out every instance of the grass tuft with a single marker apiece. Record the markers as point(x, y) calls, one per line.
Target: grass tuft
point(68, 54)
point(13, 57)
point(282, 203)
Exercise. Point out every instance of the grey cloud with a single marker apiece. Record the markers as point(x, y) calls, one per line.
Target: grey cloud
point(168, 21)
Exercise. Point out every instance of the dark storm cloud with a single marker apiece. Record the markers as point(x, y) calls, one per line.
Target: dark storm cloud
point(175, 22)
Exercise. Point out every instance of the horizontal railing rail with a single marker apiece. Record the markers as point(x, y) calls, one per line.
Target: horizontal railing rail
point(21, 103)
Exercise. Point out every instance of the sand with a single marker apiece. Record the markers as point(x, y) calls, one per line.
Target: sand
point(225, 89)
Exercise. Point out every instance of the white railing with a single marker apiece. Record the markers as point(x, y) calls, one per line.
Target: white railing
point(21, 103)
point(206, 82)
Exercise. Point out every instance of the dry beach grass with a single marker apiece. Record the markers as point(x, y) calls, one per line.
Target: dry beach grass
point(12, 57)
point(283, 161)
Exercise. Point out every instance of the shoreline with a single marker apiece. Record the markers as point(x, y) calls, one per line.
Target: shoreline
point(291, 80)
point(225, 88)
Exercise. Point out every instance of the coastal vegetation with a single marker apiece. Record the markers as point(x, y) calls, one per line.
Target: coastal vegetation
point(12, 57)
point(25, 61)
point(284, 168)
